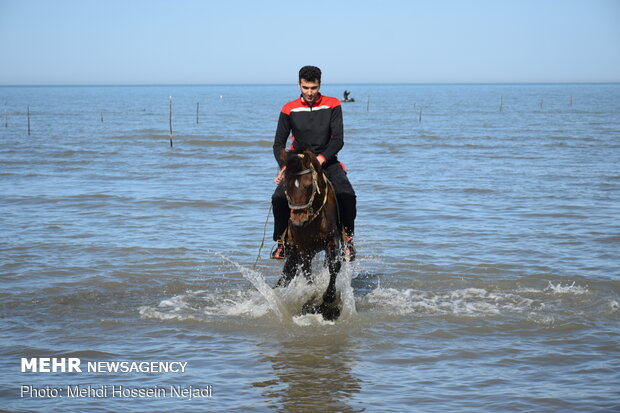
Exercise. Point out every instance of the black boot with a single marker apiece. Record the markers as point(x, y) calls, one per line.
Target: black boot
point(278, 252)
point(348, 250)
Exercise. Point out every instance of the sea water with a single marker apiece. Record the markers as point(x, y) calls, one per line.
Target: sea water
point(488, 238)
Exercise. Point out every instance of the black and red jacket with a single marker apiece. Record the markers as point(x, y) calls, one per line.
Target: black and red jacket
point(318, 126)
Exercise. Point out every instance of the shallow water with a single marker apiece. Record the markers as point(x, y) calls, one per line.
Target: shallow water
point(489, 249)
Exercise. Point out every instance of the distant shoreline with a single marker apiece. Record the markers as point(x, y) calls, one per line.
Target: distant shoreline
point(325, 84)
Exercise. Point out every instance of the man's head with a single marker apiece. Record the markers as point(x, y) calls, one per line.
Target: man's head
point(310, 83)
point(310, 74)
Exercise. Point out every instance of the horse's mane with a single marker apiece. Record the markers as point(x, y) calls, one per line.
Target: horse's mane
point(296, 164)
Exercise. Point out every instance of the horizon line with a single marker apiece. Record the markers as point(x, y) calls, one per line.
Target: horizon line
point(288, 84)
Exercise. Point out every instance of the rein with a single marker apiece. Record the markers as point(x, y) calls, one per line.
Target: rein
point(315, 190)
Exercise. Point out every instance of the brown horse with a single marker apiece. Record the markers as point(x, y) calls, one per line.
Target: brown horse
point(312, 226)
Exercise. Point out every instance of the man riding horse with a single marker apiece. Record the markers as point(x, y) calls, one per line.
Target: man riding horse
point(316, 123)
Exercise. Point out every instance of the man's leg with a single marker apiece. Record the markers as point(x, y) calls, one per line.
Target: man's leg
point(348, 211)
point(280, 220)
point(347, 203)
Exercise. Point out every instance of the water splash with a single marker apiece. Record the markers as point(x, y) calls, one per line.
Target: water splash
point(286, 302)
point(258, 281)
point(567, 289)
point(344, 286)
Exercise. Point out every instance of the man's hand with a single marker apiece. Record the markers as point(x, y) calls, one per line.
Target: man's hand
point(321, 159)
point(280, 176)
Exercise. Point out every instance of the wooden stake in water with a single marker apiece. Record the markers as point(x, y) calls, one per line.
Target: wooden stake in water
point(28, 120)
point(170, 119)
point(368, 105)
point(101, 116)
point(541, 103)
point(6, 119)
point(420, 117)
point(197, 108)
point(570, 102)
point(501, 103)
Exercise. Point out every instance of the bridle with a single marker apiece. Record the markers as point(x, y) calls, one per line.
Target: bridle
point(315, 190)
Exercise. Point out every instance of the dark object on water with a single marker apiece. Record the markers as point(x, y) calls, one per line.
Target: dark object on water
point(346, 97)
point(312, 226)
point(170, 119)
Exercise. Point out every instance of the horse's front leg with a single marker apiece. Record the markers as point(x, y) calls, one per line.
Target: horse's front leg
point(334, 264)
point(329, 310)
point(290, 269)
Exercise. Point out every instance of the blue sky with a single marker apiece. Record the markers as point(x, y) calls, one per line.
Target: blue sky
point(233, 41)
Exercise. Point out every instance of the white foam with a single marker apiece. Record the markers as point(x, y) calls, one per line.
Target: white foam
point(530, 290)
point(150, 312)
point(568, 289)
point(308, 320)
point(468, 302)
point(199, 305)
point(175, 302)
point(542, 319)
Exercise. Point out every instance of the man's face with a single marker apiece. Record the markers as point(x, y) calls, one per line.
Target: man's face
point(309, 90)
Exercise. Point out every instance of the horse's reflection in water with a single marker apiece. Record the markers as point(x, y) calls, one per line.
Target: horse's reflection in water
point(313, 374)
point(312, 227)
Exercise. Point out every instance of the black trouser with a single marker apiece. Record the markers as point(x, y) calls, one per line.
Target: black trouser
point(347, 201)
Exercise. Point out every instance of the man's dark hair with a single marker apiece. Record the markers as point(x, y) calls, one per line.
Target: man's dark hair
point(310, 74)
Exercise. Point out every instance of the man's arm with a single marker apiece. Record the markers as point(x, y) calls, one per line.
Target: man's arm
point(282, 132)
point(336, 142)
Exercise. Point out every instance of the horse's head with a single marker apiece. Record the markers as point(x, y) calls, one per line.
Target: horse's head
point(301, 184)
